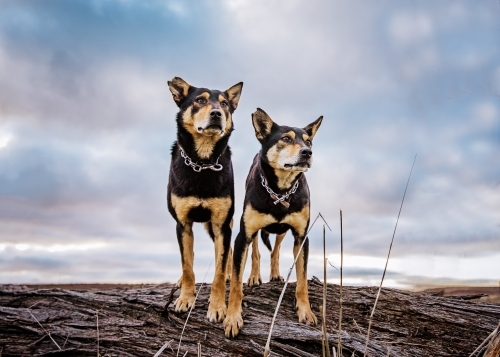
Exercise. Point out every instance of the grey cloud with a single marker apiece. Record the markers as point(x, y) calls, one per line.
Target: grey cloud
point(83, 91)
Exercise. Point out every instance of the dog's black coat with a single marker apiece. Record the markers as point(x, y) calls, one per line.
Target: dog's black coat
point(202, 195)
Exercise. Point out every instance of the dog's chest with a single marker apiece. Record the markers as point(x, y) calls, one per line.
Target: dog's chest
point(255, 220)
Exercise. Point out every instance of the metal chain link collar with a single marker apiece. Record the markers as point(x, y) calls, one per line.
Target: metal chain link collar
point(197, 167)
point(277, 197)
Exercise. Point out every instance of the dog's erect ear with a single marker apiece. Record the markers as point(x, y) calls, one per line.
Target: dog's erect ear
point(179, 88)
point(262, 124)
point(312, 128)
point(234, 93)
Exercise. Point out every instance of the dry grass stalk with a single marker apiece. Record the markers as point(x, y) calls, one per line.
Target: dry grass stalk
point(494, 347)
point(326, 346)
point(47, 332)
point(339, 345)
point(167, 344)
point(267, 349)
point(387, 261)
point(66, 340)
point(190, 310)
point(483, 344)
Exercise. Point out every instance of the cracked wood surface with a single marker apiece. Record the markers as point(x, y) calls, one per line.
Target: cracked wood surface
point(133, 321)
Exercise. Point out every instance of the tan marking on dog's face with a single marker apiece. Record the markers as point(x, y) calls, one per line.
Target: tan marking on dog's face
point(307, 140)
point(298, 220)
point(254, 220)
point(286, 151)
point(224, 106)
point(196, 120)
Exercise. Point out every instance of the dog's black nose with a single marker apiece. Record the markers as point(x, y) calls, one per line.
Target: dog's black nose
point(215, 114)
point(306, 153)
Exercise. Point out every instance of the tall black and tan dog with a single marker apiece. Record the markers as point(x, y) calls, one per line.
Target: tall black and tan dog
point(201, 183)
point(276, 200)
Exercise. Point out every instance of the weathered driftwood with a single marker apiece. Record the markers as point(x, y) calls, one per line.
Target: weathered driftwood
point(133, 321)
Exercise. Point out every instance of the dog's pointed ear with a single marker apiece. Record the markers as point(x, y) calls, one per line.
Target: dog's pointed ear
point(179, 88)
point(262, 124)
point(234, 93)
point(312, 128)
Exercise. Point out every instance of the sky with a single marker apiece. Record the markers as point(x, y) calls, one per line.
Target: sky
point(87, 122)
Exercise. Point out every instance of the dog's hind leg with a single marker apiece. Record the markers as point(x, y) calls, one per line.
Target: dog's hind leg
point(187, 281)
point(255, 278)
point(275, 259)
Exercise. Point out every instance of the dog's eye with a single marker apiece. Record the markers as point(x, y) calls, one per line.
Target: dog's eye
point(201, 100)
point(287, 139)
point(223, 104)
point(308, 142)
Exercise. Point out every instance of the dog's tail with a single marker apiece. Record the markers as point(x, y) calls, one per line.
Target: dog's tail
point(264, 235)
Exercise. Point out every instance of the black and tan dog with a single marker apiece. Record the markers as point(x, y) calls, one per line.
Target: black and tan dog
point(201, 183)
point(276, 200)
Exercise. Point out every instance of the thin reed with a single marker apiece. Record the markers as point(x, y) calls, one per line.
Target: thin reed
point(267, 349)
point(339, 345)
point(387, 261)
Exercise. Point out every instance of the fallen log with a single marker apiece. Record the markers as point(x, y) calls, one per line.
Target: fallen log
point(137, 320)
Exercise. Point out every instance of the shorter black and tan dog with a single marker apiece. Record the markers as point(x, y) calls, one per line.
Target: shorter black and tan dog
point(276, 200)
point(201, 183)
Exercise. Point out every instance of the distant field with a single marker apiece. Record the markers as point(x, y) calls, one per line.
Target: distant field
point(492, 293)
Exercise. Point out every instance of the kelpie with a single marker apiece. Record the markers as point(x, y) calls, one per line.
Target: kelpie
point(276, 200)
point(201, 184)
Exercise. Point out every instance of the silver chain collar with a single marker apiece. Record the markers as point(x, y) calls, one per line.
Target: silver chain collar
point(277, 197)
point(197, 167)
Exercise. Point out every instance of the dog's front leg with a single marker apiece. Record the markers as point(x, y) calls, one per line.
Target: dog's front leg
point(301, 293)
point(234, 320)
point(187, 281)
point(222, 241)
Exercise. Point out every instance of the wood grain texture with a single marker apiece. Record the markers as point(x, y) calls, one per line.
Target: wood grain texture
point(133, 321)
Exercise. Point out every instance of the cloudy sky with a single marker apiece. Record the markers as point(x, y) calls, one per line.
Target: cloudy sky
point(87, 121)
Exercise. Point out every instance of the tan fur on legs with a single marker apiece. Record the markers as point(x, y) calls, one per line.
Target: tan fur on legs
point(304, 311)
point(275, 259)
point(186, 298)
point(229, 265)
point(255, 278)
point(234, 321)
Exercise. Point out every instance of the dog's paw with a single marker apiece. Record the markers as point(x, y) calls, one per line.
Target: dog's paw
point(216, 313)
point(254, 280)
point(233, 324)
point(306, 315)
point(184, 303)
point(277, 278)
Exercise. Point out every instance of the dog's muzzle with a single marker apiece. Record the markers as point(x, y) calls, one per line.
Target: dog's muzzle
point(303, 163)
point(214, 124)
